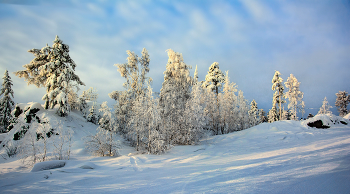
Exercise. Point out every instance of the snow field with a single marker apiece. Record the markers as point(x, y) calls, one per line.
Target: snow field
point(279, 157)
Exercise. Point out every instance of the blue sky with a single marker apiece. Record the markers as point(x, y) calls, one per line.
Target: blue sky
point(250, 39)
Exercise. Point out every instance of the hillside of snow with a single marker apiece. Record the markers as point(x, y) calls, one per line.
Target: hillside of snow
point(279, 157)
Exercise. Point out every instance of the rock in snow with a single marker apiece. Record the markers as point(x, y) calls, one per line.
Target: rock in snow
point(47, 165)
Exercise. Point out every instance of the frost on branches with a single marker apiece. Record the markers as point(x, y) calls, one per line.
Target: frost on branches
point(325, 108)
point(6, 103)
point(295, 97)
point(135, 73)
point(342, 102)
point(253, 114)
point(213, 82)
point(228, 107)
point(278, 97)
point(52, 68)
point(174, 95)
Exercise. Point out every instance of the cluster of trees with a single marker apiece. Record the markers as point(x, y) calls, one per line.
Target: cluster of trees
point(185, 110)
point(294, 96)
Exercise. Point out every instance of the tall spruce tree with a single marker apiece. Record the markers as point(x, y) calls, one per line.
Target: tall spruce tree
point(278, 96)
point(6, 103)
point(213, 81)
point(54, 69)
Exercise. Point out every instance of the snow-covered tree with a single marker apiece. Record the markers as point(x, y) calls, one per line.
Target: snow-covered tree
point(342, 102)
point(6, 102)
point(93, 117)
point(73, 99)
point(174, 95)
point(228, 110)
point(103, 143)
point(195, 76)
point(272, 115)
point(90, 94)
point(295, 97)
point(253, 114)
point(213, 81)
point(214, 78)
point(262, 116)
point(325, 108)
point(135, 72)
point(195, 117)
point(243, 108)
point(52, 68)
point(278, 96)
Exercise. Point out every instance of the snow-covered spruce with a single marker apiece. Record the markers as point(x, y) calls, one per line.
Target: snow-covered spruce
point(213, 82)
point(342, 102)
point(53, 69)
point(275, 113)
point(6, 102)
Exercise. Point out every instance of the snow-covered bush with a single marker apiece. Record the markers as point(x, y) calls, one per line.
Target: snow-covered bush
point(103, 143)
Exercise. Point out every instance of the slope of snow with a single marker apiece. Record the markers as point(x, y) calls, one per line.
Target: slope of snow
point(347, 116)
point(281, 157)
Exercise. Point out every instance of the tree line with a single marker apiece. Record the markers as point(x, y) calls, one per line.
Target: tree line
point(185, 111)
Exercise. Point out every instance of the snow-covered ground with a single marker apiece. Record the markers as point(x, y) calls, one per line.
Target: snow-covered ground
point(282, 157)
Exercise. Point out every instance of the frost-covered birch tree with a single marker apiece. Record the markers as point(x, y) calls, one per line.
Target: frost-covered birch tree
point(228, 110)
point(243, 116)
point(278, 96)
point(174, 95)
point(135, 73)
point(54, 69)
point(195, 117)
point(6, 102)
point(325, 108)
point(342, 102)
point(295, 97)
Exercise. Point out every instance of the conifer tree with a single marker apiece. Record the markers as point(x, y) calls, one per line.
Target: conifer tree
point(92, 117)
point(262, 116)
point(253, 114)
point(213, 81)
point(52, 68)
point(342, 102)
point(324, 109)
point(174, 94)
point(295, 97)
point(278, 96)
point(6, 103)
point(272, 115)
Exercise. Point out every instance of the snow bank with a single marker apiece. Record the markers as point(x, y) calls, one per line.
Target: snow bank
point(328, 120)
point(47, 165)
point(347, 116)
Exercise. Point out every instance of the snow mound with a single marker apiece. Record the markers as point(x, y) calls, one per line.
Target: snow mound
point(325, 121)
point(47, 165)
point(88, 165)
